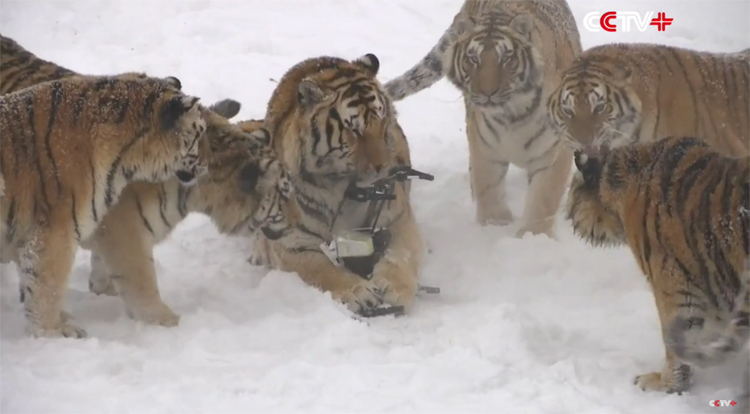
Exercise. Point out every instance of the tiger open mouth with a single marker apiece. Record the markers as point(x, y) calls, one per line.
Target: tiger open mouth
point(185, 177)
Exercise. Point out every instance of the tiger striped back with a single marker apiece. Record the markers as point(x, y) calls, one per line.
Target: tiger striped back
point(619, 94)
point(20, 69)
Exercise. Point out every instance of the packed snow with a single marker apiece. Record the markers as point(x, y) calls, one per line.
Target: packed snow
point(522, 325)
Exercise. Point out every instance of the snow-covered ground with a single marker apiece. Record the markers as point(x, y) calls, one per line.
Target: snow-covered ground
point(531, 325)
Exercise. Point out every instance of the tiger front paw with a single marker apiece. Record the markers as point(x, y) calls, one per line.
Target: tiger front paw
point(156, 313)
point(396, 288)
point(493, 215)
point(61, 330)
point(546, 228)
point(671, 382)
point(361, 298)
point(102, 285)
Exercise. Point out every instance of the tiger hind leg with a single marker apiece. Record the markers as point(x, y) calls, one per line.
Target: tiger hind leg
point(675, 376)
point(99, 281)
point(131, 271)
point(44, 266)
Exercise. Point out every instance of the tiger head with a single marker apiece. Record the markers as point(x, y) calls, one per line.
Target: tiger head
point(595, 105)
point(589, 208)
point(193, 161)
point(248, 187)
point(343, 117)
point(494, 61)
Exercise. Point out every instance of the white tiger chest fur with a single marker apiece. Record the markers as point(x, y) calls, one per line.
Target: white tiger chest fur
point(525, 144)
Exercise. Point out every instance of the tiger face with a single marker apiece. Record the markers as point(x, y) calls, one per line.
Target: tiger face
point(277, 213)
point(595, 109)
point(344, 116)
point(245, 156)
point(494, 62)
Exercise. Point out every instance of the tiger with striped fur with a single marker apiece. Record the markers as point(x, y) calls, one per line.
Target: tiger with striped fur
point(333, 127)
point(20, 69)
point(681, 206)
point(687, 336)
point(619, 94)
point(69, 147)
point(506, 58)
point(246, 190)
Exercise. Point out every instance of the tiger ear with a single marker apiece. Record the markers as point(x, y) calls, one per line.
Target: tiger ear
point(174, 82)
point(226, 108)
point(369, 63)
point(309, 93)
point(462, 24)
point(523, 24)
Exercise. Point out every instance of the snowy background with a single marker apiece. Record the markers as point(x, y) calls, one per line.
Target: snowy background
point(531, 325)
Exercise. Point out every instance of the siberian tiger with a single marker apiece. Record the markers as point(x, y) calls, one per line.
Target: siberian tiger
point(506, 58)
point(20, 69)
point(246, 189)
point(334, 126)
point(68, 149)
point(682, 208)
point(698, 349)
point(619, 94)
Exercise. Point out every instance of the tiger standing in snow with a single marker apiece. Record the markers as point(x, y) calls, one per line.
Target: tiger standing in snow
point(506, 57)
point(69, 147)
point(682, 209)
point(245, 190)
point(694, 347)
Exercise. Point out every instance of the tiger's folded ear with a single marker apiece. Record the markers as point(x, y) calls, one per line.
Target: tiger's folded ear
point(227, 108)
point(172, 110)
point(590, 166)
point(370, 63)
point(461, 24)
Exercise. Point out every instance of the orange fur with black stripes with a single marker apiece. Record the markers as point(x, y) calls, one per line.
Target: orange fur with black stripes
point(506, 58)
point(682, 208)
point(20, 69)
point(246, 189)
point(619, 94)
point(334, 126)
point(69, 147)
point(697, 341)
